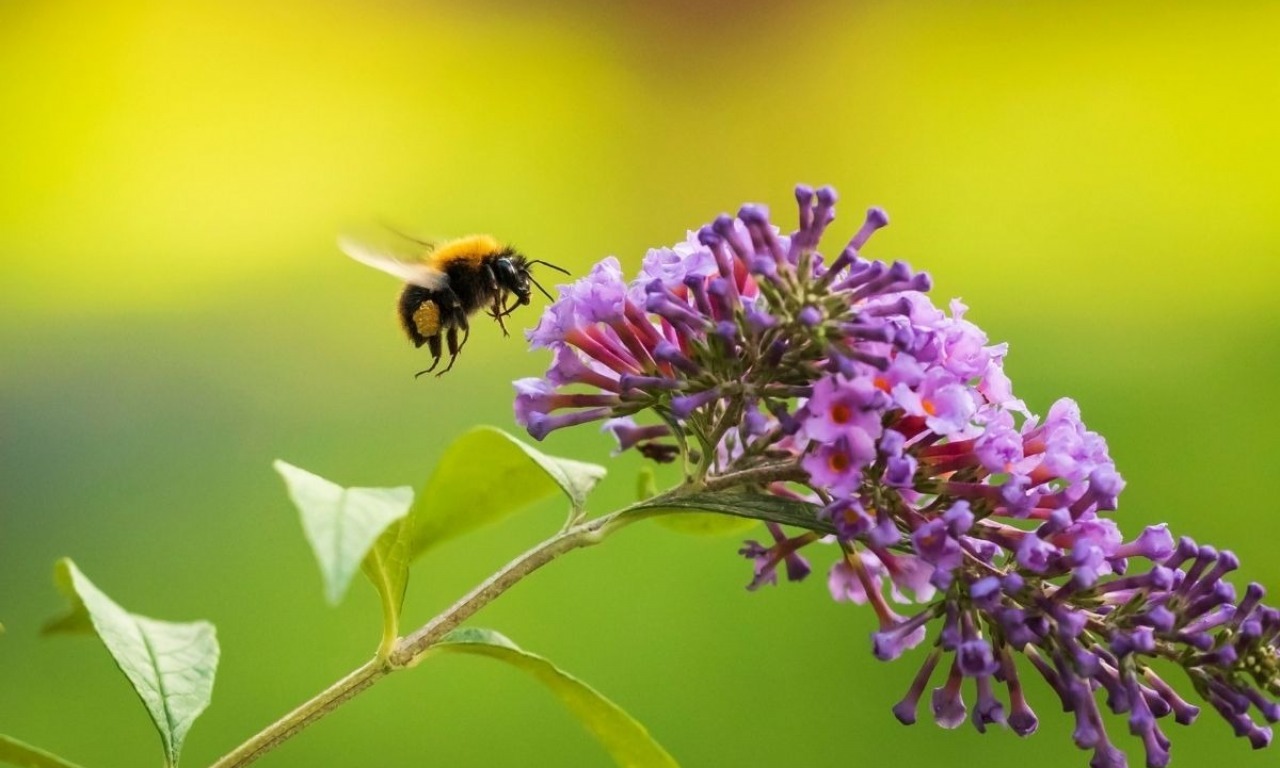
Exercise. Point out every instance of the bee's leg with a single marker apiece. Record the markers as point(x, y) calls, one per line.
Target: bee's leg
point(491, 280)
point(499, 313)
point(513, 306)
point(454, 348)
point(490, 277)
point(433, 343)
point(466, 330)
point(451, 306)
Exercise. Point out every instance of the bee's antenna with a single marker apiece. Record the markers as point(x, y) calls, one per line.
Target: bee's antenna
point(544, 290)
point(410, 238)
point(549, 264)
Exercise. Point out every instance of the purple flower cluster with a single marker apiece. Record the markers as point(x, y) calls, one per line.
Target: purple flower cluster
point(840, 384)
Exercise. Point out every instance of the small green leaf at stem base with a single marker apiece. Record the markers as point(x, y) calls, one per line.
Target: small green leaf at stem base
point(627, 741)
point(486, 475)
point(14, 752)
point(171, 666)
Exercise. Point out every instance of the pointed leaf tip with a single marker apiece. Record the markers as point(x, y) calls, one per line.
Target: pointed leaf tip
point(341, 524)
point(626, 740)
point(170, 665)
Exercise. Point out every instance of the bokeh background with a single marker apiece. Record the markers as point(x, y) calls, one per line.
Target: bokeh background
point(1099, 181)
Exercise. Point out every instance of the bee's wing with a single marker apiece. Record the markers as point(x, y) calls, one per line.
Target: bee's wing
point(408, 271)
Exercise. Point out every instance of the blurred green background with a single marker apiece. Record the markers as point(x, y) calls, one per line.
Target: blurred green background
point(1100, 183)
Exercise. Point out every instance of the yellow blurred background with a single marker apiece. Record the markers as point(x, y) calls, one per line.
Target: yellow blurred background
point(1100, 183)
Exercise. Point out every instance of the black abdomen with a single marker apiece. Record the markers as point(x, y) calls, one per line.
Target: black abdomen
point(417, 305)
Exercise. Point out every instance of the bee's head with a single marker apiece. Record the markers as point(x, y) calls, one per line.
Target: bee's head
point(512, 272)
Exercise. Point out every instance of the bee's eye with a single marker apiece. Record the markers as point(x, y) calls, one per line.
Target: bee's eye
point(507, 273)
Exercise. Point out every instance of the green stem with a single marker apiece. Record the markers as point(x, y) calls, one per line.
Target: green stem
point(678, 432)
point(732, 415)
point(390, 625)
point(408, 651)
point(390, 609)
point(320, 705)
point(761, 475)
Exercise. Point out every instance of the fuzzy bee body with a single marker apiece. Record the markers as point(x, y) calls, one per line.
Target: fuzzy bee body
point(450, 282)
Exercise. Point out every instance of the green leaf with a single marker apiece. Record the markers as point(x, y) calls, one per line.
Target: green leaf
point(738, 503)
point(626, 740)
point(171, 666)
point(695, 523)
point(14, 752)
point(387, 566)
point(484, 476)
point(342, 524)
point(707, 523)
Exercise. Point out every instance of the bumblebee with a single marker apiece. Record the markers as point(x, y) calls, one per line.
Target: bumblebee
point(449, 282)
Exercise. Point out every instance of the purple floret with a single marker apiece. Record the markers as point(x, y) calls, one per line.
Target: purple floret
point(835, 382)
